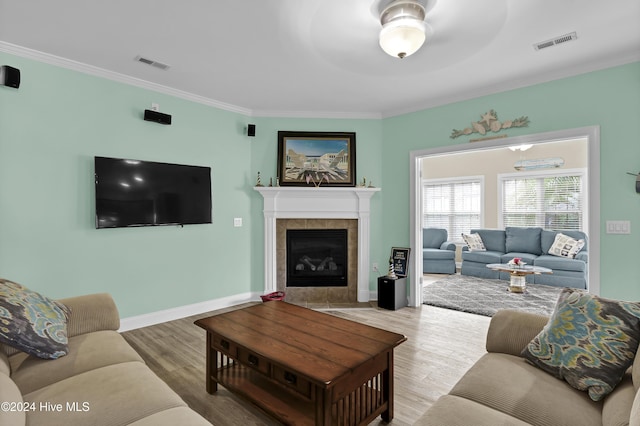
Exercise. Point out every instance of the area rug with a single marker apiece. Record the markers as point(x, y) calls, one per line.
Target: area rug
point(486, 297)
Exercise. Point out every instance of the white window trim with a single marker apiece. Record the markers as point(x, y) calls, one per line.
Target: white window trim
point(582, 172)
point(456, 179)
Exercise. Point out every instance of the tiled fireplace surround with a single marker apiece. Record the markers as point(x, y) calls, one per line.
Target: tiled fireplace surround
point(318, 208)
point(348, 294)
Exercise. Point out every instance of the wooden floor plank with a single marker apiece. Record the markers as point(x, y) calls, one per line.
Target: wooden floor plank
point(442, 344)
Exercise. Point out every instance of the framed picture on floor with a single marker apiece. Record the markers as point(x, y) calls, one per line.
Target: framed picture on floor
point(316, 158)
point(400, 259)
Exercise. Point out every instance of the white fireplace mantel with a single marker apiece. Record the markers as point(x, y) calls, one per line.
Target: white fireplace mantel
point(317, 203)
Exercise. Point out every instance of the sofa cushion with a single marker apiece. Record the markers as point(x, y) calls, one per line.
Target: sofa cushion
point(437, 254)
point(493, 239)
point(113, 395)
point(450, 410)
point(547, 238)
point(10, 394)
point(635, 411)
point(565, 246)
point(523, 240)
point(86, 352)
point(560, 263)
point(482, 256)
point(589, 341)
point(509, 384)
point(474, 242)
point(616, 408)
point(182, 416)
point(5, 366)
point(31, 322)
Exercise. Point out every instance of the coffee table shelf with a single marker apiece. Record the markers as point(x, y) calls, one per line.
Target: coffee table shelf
point(267, 395)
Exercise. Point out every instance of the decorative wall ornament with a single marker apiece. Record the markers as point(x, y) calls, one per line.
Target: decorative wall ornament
point(489, 123)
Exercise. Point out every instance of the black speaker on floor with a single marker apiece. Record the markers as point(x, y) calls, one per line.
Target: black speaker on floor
point(251, 130)
point(9, 76)
point(158, 117)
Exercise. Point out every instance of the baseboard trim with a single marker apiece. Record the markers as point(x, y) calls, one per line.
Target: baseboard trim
point(145, 320)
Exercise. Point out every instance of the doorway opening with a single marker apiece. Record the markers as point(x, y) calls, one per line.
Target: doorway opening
point(419, 161)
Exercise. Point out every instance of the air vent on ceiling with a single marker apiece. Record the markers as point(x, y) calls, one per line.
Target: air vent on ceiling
point(555, 41)
point(152, 63)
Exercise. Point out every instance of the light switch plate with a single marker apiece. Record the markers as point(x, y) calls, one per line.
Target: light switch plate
point(618, 227)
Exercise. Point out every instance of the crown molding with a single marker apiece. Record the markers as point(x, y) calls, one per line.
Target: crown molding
point(516, 83)
point(69, 64)
point(432, 103)
point(318, 114)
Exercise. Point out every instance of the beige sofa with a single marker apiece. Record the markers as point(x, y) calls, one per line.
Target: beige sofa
point(102, 381)
point(501, 388)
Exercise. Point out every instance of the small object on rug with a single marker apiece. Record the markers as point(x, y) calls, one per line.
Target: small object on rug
point(486, 297)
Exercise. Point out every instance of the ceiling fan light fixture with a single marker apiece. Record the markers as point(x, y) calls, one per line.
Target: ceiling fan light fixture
point(403, 28)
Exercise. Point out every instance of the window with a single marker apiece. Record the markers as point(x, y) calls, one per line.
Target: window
point(452, 204)
point(551, 200)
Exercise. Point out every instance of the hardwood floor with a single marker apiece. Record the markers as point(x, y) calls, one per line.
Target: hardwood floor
point(442, 344)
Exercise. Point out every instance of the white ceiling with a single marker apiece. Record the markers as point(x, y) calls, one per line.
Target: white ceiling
point(320, 58)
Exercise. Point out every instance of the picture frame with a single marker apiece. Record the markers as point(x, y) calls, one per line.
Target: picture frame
point(316, 158)
point(400, 259)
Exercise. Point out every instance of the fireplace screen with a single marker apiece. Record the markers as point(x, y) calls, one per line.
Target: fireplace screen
point(316, 257)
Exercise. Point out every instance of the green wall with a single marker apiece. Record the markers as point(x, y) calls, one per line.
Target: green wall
point(51, 128)
point(609, 98)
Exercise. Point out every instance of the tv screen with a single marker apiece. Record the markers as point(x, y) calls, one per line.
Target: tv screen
point(146, 193)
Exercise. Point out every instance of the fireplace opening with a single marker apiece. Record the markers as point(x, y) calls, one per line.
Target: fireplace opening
point(316, 257)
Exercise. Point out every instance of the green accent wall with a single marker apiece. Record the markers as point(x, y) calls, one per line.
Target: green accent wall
point(50, 130)
point(608, 98)
point(53, 126)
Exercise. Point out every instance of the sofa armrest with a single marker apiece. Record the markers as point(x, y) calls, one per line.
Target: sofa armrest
point(448, 245)
point(511, 331)
point(582, 255)
point(93, 312)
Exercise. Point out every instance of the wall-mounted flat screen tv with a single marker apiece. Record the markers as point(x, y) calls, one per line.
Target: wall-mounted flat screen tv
point(146, 193)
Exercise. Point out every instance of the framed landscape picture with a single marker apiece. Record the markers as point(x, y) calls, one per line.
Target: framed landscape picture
point(317, 158)
point(400, 259)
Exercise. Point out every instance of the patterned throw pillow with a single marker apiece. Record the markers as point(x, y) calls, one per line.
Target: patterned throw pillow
point(565, 246)
point(589, 341)
point(474, 242)
point(32, 322)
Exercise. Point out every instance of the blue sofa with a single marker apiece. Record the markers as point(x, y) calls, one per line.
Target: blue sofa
point(532, 245)
point(438, 254)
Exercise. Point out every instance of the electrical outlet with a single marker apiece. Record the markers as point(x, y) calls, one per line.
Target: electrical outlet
point(237, 222)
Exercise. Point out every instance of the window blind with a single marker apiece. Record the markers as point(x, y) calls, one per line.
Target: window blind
point(551, 202)
point(453, 205)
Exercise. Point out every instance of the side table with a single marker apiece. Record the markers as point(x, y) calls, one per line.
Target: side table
point(392, 293)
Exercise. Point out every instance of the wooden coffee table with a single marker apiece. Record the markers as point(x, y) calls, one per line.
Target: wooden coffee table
point(302, 366)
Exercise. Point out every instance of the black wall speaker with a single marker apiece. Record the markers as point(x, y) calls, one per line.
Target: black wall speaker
point(251, 130)
point(9, 76)
point(158, 117)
